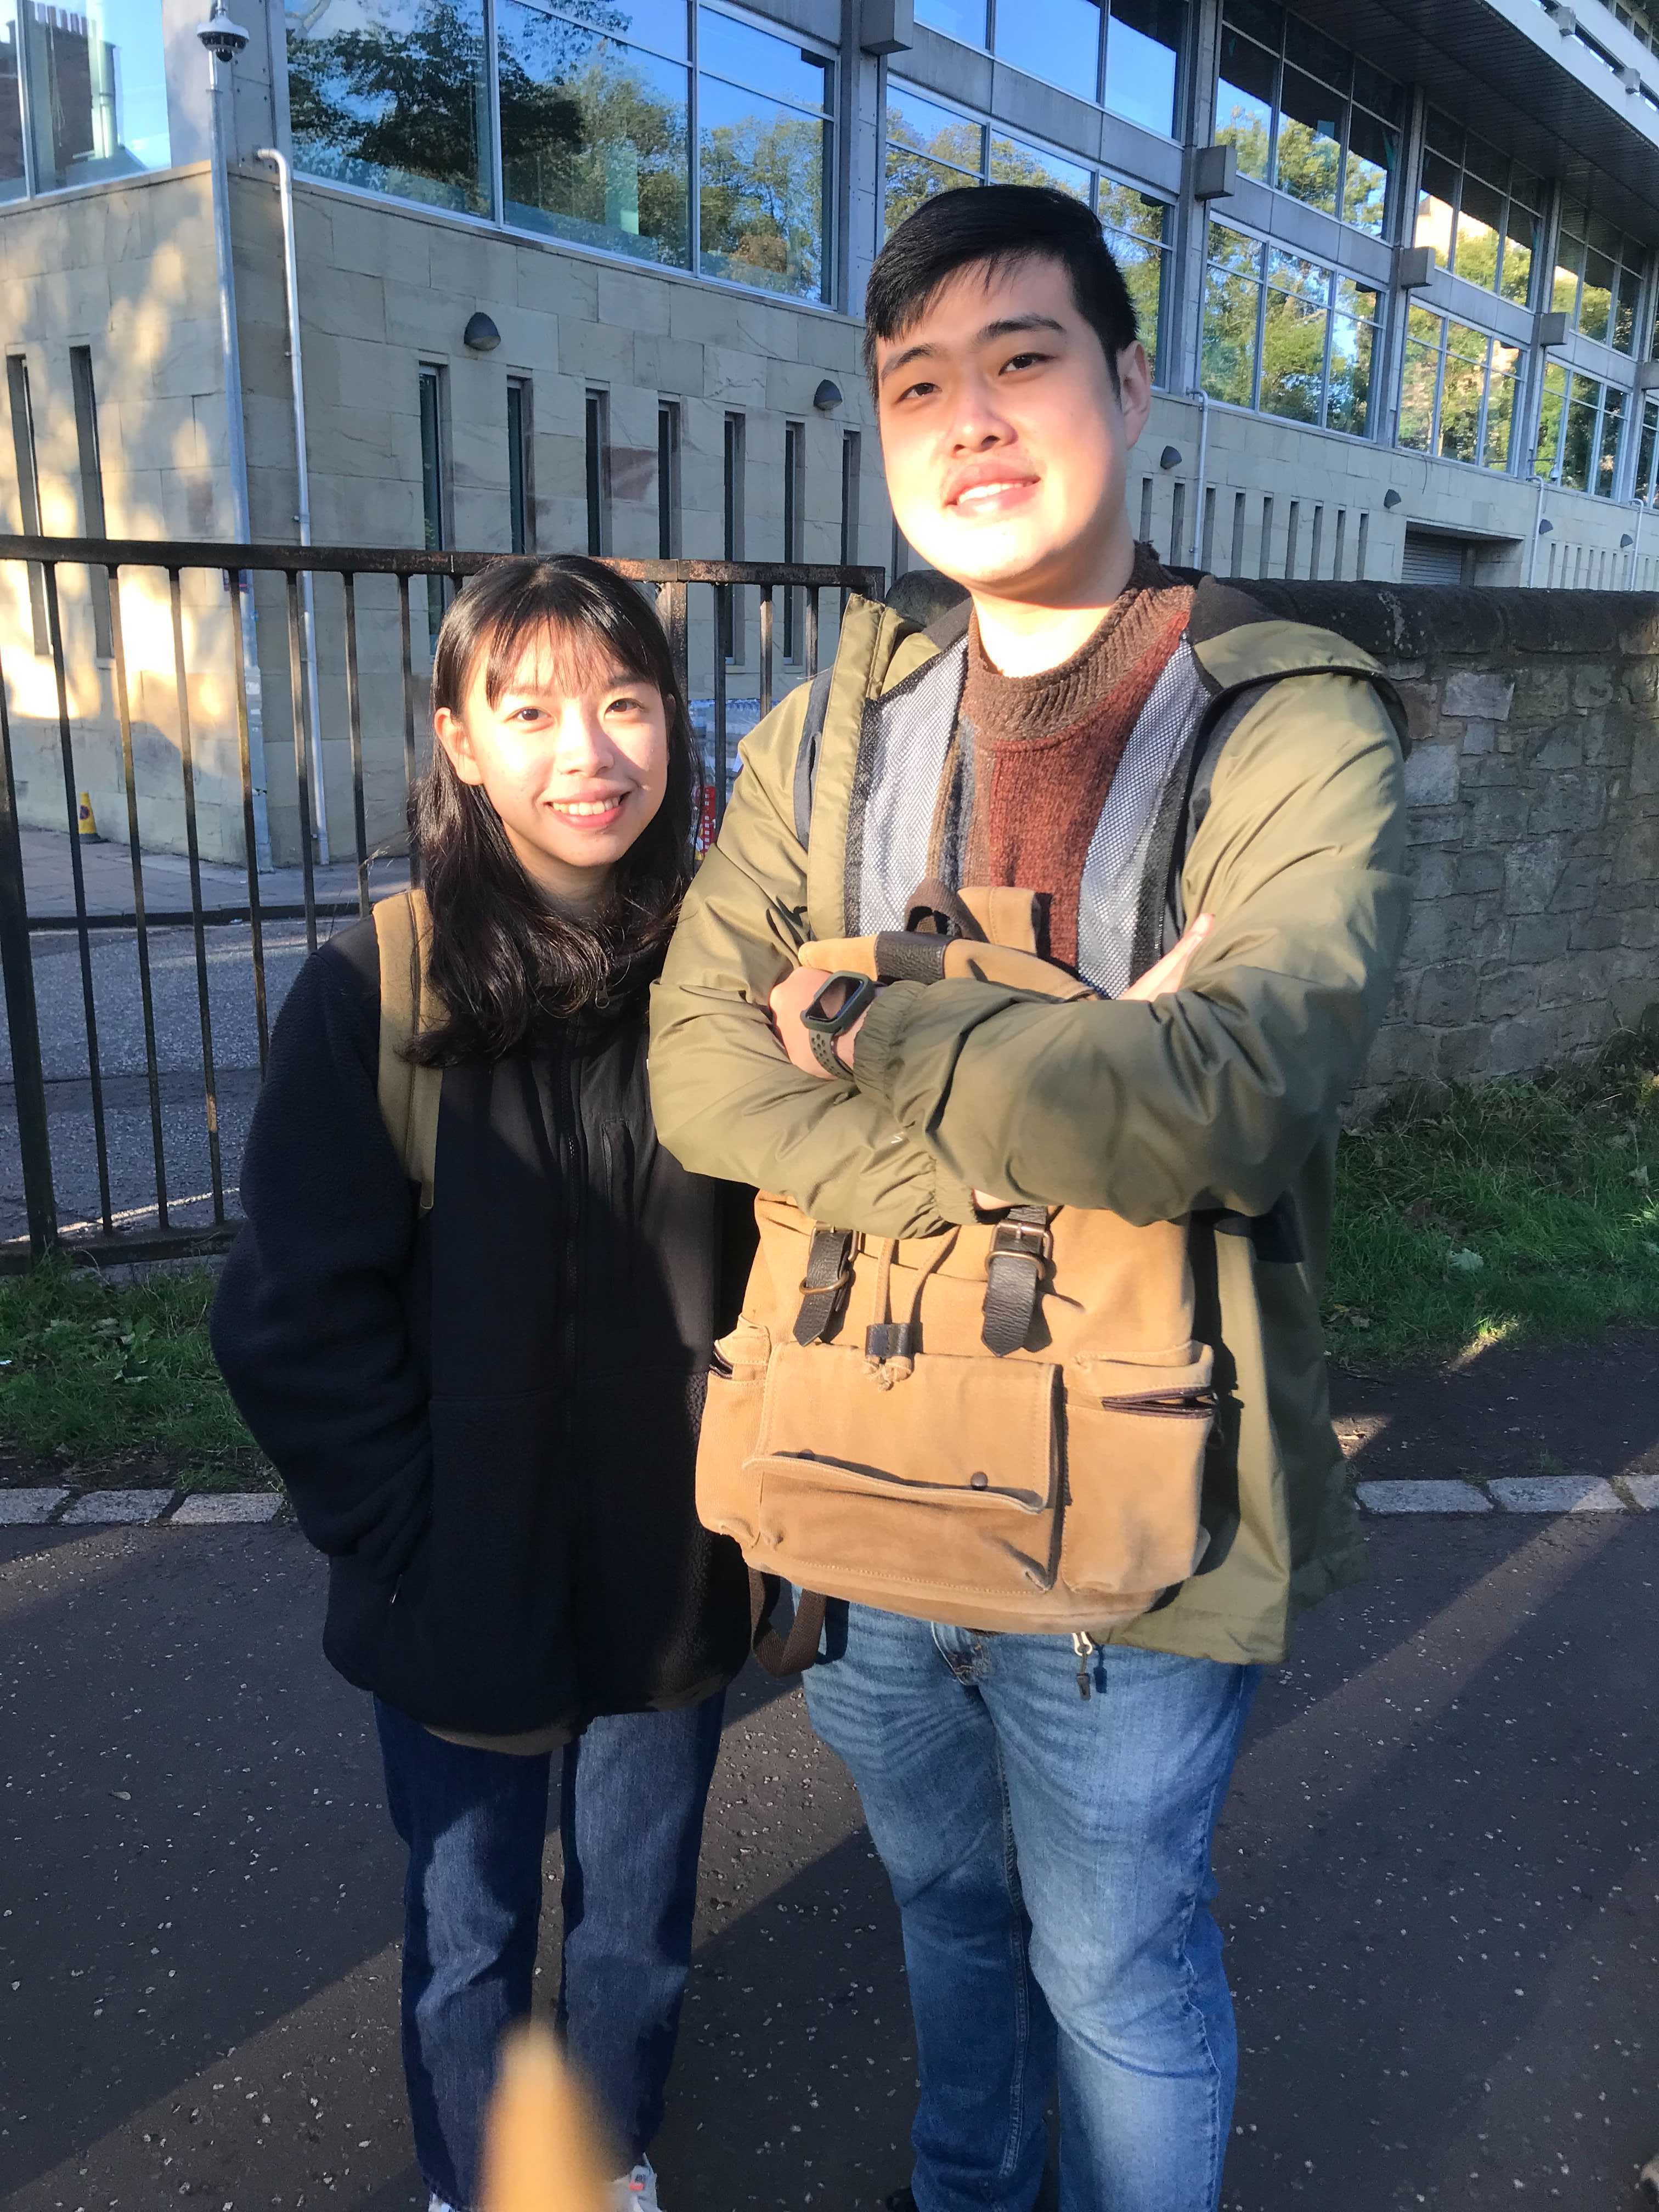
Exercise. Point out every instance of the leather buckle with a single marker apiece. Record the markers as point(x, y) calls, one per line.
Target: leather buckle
point(1023, 1240)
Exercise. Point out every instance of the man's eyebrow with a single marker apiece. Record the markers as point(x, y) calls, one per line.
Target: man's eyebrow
point(1007, 326)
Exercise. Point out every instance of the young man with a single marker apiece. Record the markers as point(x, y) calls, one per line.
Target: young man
point(1095, 729)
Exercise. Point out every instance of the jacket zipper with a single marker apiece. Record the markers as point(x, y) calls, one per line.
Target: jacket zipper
point(573, 1167)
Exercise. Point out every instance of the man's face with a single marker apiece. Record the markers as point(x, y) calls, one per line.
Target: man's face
point(1004, 440)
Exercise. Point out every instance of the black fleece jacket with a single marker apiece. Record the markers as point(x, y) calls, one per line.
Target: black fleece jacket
point(487, 1417)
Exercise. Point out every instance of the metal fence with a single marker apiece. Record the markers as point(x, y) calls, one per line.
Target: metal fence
point(119, 1089)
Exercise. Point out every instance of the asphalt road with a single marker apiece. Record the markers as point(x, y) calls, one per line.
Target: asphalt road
point(1437, 1869)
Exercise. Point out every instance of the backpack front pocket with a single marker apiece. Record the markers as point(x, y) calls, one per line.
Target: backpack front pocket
point(889, 1484)
point(1136, 1440)
point(728, 1491)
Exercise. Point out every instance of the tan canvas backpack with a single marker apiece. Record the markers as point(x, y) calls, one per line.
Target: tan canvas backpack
point(409, 1096)
point(1002, 1426)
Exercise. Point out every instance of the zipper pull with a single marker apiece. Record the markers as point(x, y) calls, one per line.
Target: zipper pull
point(1086, 1647)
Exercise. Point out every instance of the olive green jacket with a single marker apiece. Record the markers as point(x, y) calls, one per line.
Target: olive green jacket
point(1223, 1094)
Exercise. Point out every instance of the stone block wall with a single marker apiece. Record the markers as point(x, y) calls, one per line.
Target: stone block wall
point(1533, 786)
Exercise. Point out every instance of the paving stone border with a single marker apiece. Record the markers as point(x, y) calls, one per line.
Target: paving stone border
point(1529, 1493)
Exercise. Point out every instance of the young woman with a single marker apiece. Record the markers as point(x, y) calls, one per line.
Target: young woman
point(486, 1414)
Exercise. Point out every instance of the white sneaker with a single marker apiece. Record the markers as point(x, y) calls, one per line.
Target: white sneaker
point(636, 2192)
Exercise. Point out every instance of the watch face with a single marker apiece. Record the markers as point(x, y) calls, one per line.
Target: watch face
point(859, 990)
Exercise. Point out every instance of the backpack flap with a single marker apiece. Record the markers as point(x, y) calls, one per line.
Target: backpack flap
point(409, 1095)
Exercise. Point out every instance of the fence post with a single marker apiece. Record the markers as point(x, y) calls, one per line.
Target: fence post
point(22, 1020)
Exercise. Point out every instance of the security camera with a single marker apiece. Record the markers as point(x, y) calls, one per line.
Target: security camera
point(224, 39)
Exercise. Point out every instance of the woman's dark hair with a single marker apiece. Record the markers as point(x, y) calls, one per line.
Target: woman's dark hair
point(504, 963)
point(998, 225)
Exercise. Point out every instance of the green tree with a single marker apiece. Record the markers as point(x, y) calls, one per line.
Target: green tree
point(403, 99)
point(763, 202)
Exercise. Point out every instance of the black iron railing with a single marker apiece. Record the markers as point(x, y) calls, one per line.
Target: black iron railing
point(82, 1193)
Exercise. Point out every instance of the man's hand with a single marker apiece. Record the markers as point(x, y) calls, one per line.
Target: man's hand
point(788, 1002)
point(1156, 983)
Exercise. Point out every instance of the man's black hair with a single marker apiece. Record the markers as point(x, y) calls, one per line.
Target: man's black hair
point(998, 225)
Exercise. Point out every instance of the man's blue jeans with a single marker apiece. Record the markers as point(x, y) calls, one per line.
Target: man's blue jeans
point(631, 1798)
point(1051, 1859)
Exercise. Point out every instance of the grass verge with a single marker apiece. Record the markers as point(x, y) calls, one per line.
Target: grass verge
point(93, 1375)
point(1518, 1210)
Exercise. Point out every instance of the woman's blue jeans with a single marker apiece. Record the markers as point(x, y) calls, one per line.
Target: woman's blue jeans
point(631, 1798)
point(1050, 1856)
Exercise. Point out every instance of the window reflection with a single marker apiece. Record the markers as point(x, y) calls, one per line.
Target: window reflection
point(1012, 163)
point(1136, 228)
point(1598, 278)
point(1143, 51)
point(11, 113)
point(957, 19)
point(1478, 210)
point(593, 138)
point(1057, 40)
point(392, 95)
point(98, 90)
point(929, 150)
point(761, 172)
point(1306, 115)
point(1290, 337)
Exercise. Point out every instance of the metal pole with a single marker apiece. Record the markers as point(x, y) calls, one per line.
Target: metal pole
point(231, 363)
point(1537, 520)
point(1636, 545)
point(1203, 399)
point(302, 471)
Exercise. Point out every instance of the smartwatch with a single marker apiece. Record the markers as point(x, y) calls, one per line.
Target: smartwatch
point(823, 1028)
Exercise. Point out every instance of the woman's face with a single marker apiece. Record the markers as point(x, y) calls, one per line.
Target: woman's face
point(572, 756)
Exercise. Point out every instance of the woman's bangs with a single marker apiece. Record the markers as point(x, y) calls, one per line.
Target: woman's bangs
point(560, 653)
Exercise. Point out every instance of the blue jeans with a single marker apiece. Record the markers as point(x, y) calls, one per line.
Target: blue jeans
point(631, 1801)
point(1050, 1856)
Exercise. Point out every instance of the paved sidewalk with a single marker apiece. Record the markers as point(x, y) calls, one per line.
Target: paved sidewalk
point(1436, 1872)
point(106, 871)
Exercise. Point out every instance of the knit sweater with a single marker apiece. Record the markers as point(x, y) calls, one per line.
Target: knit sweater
point(1046, 747)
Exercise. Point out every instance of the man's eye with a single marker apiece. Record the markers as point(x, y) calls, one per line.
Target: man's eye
point(1024, 361)
point(916, 392)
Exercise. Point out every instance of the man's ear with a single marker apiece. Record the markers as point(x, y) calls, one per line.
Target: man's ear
point(451, 732)
point(1134, 390)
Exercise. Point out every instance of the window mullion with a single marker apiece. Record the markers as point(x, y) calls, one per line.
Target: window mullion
point(493, 100)
point(693, 142)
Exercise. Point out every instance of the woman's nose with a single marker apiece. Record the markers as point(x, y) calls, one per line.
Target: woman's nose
point(581, 744)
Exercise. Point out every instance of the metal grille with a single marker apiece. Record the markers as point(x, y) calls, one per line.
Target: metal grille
point(140, 981)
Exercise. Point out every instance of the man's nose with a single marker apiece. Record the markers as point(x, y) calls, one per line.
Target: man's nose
point(980, 424)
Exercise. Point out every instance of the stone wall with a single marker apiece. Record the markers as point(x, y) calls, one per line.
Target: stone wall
point(1533, 783)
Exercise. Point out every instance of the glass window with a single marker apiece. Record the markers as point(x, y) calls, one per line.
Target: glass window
point(1293, 339)
point(1232, 313)
point(1244, 97)
point(957, 19)
point(1503, 390)
point(1284, 98)
point(593, 138)
point(1308, 157)
point(1143, 54)
point(1057, 40)
point(11, 112)
point(1551, 407)
point(929, 149)
point(1478, 211)
point(1419, 381)
point(762, 164)
point(1595, 300)
point(1373, 158)
point(1522, 224)
point(521, 516)
point(1479, 229)
point(98, 82)
point(1579, 437)
point(1458, 391)
point(391, 96)
point(1645, 487)
point(1012, 163)
point(1598, 277)
point(1136, 228)
point(1353, 345)
point(1606, 450)
point(434, 485)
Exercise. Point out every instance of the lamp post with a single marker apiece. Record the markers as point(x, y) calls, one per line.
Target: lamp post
point(223, 41)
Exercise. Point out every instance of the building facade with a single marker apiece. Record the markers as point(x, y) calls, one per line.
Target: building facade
point(1395, 262)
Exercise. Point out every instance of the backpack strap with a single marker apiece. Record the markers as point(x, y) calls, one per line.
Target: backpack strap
point(409, 1095)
